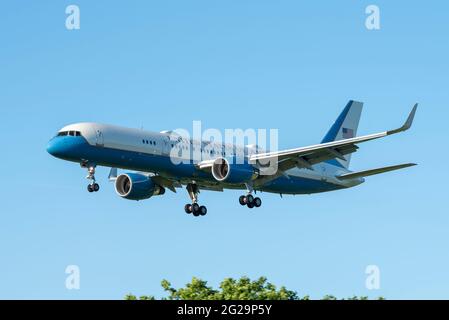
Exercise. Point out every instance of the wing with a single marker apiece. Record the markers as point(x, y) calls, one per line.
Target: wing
point(305, 157)
point(170, 184)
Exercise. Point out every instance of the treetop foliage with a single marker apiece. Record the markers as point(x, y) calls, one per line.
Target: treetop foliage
point(232, 289)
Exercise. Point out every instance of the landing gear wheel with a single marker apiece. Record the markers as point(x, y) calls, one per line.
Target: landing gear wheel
point(203, 210)
point(90, 188)
point(249, 198)
point(188, 208)
point(196, 213)
point(96, 187)
point(196, 209)
point(242, 200)
point(250, 205)
point(257, 202)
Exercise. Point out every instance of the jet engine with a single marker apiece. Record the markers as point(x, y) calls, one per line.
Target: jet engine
point(137, 186)
point(224, 171)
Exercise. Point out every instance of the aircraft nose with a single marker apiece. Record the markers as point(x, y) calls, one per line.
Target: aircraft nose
point(66, 147)
point(54, 147)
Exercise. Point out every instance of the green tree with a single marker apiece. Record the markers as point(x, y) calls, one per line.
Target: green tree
point(245, 289)
point(197, 289)
point(232, 289)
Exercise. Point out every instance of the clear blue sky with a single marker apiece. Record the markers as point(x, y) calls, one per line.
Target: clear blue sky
point(289, 65)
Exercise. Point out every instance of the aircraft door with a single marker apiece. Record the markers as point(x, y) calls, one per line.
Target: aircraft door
point(165, 143)
point(99, 138)
point(158, 146)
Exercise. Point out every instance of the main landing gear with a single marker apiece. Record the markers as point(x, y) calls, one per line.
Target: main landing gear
point(250, 201)
point(93, 186)
point(194, 208)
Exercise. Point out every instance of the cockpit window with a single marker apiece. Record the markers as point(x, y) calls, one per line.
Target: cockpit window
point(69, 133)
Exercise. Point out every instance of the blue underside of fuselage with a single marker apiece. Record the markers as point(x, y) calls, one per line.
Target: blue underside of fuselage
point(77, 149)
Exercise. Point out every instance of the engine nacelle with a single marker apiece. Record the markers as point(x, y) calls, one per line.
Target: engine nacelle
point(136, 186)
point(223, 171)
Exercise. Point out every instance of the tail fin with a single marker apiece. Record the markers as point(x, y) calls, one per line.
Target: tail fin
point(345, 127)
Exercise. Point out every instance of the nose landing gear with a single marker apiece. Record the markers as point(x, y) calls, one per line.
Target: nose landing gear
point(93, 186)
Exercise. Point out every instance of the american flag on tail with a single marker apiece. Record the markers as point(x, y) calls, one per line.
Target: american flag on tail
point(348, 133)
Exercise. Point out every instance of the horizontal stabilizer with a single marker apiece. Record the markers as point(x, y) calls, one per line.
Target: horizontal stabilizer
point(360, 174)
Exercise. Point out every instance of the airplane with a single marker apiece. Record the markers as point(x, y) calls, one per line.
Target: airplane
point(306, 170)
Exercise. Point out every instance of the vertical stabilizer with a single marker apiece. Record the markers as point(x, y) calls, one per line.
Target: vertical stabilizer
point(345, 127)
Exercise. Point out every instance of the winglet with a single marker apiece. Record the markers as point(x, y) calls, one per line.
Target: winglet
point(408, 122)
